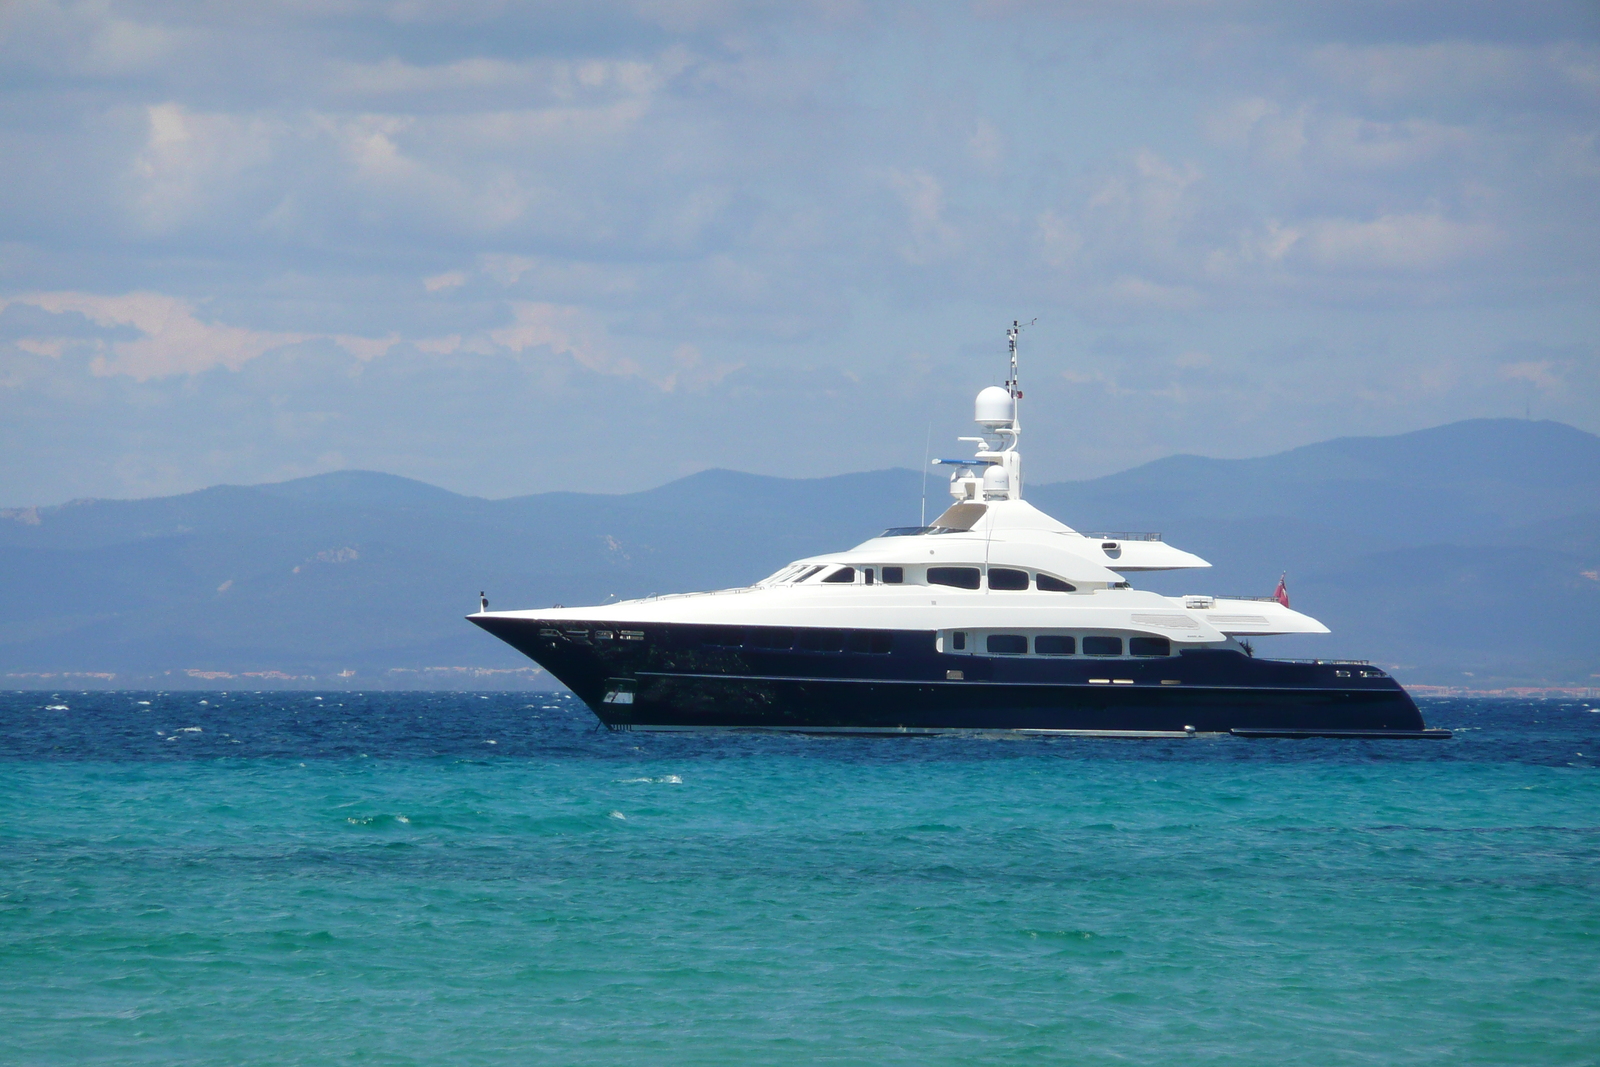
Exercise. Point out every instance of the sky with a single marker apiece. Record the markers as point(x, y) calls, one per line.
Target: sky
point(518, 247)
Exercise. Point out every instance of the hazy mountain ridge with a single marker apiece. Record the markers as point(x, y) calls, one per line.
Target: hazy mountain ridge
point(1459, 553)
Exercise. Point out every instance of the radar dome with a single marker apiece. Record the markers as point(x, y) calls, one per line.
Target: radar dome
point(996, 483)
point(995, 408)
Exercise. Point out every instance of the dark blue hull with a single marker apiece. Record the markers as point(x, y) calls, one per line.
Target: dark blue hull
point(696, 677)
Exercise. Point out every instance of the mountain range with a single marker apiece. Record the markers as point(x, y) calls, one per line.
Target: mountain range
point(1467, 554)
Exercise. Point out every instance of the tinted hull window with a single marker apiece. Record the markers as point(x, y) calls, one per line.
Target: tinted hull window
point(1102, 646)
point(822, 640)
point(1055, 585)
point(1007, 645)
point(1053, 645)
point(771, 639)
point(1149, 646)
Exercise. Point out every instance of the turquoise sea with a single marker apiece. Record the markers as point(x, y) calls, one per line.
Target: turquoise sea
point(290, 878)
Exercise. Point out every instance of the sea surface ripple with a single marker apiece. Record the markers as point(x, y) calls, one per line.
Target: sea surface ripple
point(424, 878)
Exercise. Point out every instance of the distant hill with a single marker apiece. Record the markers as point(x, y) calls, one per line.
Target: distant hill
point(1462, 554)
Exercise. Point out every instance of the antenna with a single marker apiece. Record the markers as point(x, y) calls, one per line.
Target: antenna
point(927, 451)
point(1015, 328)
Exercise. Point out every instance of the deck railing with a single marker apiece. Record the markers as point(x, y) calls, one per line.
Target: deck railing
point(1122, 535)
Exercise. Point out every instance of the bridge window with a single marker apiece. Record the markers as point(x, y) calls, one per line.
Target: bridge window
point(1102, 646)
point(1054, 644)
point(808, 572)
point(1006, 578)
point(1007, 645)
point(1149, 646)
point(959, 577)
point(842, 576)
point(894, 575)
point(1055, 585)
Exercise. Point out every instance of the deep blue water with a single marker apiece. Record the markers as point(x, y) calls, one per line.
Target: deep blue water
point(282, 879)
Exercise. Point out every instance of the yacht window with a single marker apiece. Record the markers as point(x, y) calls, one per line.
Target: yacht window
point(822, 640)
point(959, 577)
point(1102, 646)
point(1053, 644)
point(841, 576)
point(894, 575)
point(771, 638)
point(866, 642)
point(1006, 578)
point(1008, 645)
point(1054, 585)
point(724, 636)
point(958, 640)
point(803, 575)
point(1149, 646)
point(882, 643)
point(866, 576)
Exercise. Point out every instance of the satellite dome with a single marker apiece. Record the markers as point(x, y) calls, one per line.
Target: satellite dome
point(995, 408)
point(996, 483)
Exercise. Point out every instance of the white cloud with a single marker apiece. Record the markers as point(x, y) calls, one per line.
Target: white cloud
point(568, 331)
point(172, 339)
point(449, 280)
point(1311, 136)
point(931, 236)
point(190, 161)
point(1540, 372)
point(1416, 241)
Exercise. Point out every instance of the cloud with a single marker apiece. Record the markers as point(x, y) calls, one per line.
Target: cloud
point(171, 339)
point(931, 236)
point(189, 163)
point(677, 212)
point(448, 280)
point(1398, 242)
point(1309, 136)
point(1540, 373)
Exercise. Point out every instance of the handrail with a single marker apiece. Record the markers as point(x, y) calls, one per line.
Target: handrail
point(1338, 662)
point(1122, 535)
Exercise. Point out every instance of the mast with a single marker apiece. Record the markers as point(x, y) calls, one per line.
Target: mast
point(1012, 383)
point(995, 473)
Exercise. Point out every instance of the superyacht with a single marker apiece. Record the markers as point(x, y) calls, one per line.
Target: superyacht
point(994, 618)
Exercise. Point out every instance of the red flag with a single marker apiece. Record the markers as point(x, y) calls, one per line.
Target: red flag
point(1281, 594)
